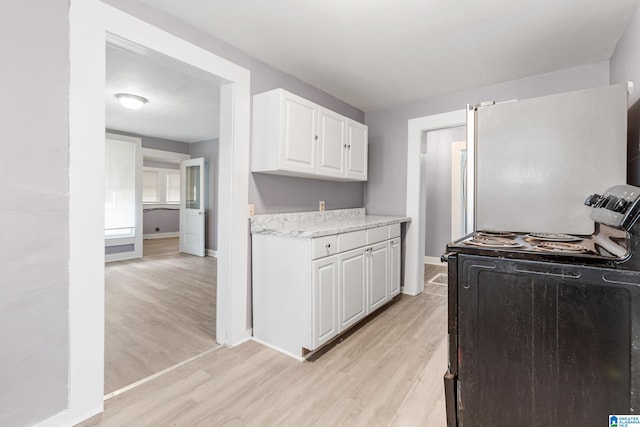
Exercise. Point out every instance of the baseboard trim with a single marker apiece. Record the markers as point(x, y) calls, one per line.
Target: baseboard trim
point(161, 235)
point(211, 252)
point(433, 260)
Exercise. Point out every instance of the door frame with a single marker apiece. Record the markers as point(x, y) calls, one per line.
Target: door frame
point(458, 185)
point(90, 22)
point(414, 249)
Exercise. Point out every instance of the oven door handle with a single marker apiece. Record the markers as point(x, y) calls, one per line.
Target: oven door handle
point(566, 275)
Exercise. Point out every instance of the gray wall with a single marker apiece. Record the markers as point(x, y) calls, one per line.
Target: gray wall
point(625, 66)
point(166, 220)
point(157, 143)
point(209, 149)
point(385, 192)
point(268, 193)
point(437, 173)
point(34, 211)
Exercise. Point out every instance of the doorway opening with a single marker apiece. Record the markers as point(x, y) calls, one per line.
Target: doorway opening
point(160, 304)
point(443, 163)
point(414, 266)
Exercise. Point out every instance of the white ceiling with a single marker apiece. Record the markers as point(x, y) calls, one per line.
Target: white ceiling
point(183, 102)
point(379, 53)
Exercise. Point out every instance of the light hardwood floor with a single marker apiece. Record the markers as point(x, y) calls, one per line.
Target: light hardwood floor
point(159, 311)
point(387, 371)
point(430, 272)
point(168, 245)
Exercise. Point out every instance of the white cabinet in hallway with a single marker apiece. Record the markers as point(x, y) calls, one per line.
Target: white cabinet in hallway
point(293, 136)
point(307, 291)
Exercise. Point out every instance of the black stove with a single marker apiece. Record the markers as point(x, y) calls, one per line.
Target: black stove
point(544, 328)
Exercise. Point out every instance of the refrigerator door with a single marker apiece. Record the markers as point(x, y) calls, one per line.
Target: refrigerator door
point(538, 159)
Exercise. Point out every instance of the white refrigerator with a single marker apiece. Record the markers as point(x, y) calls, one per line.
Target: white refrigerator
point(532, 163)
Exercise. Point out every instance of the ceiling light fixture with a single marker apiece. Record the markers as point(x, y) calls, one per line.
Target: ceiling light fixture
point(133, 102)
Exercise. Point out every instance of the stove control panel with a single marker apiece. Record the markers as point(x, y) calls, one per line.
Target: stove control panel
point(618, 207)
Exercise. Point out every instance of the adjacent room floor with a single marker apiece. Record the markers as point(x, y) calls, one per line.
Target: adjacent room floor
point(387, 371)
point(160, 310)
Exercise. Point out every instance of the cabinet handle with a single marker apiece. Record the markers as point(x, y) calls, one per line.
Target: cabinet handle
point(316, 137)
point(328, 245)
point(345, 145)
point(349, 146)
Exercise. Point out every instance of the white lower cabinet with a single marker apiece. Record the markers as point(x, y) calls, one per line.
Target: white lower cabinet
point(394, 267)
point(325, 296)
point(378, 275)
point(353, 289)
point(308, 291)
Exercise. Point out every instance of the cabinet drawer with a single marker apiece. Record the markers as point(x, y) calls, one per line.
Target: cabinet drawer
point(378, 234)
point(394, 231)
point(352, 240)
point(324, 246)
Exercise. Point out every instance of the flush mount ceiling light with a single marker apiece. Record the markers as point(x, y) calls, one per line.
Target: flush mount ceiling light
point(133, 102)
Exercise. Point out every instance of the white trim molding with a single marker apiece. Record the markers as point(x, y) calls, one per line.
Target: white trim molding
point(413, 262)
point(212, 253)
point(153, 155)
point(92, 23)
point(161, 235)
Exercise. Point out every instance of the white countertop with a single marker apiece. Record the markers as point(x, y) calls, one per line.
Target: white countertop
point(317, 224)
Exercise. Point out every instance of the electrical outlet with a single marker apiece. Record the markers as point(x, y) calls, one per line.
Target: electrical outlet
point(252, 210)
point(321, 205)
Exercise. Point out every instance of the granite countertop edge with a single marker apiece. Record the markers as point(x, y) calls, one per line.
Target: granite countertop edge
point(345, 225)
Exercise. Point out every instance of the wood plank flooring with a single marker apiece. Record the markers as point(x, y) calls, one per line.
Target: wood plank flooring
point(168, 245)
point(431, 271)
point(387, 371)
point(159, 311)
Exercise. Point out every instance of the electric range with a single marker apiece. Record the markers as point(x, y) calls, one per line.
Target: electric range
point(544, 329)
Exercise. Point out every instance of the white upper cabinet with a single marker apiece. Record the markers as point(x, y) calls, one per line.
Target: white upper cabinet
point(299, 118)
point(331, 143)
point(357, 142)
point(293, 136)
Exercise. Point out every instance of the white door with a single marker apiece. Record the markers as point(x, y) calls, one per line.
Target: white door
point(357, 144)
point(325, 295)
point(332, 145)
point(192, 207)
point(378, 272)
point(300, 134)
point(352, 287)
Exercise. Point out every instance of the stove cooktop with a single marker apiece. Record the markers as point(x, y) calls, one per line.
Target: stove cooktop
point(606, 247)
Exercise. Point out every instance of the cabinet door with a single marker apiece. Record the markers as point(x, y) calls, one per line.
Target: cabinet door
point(299, 125)
point(331, 143)
point(357, 142)
point(394, 267)
point(325, 300)
point(378, 275)
point(352, 287)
